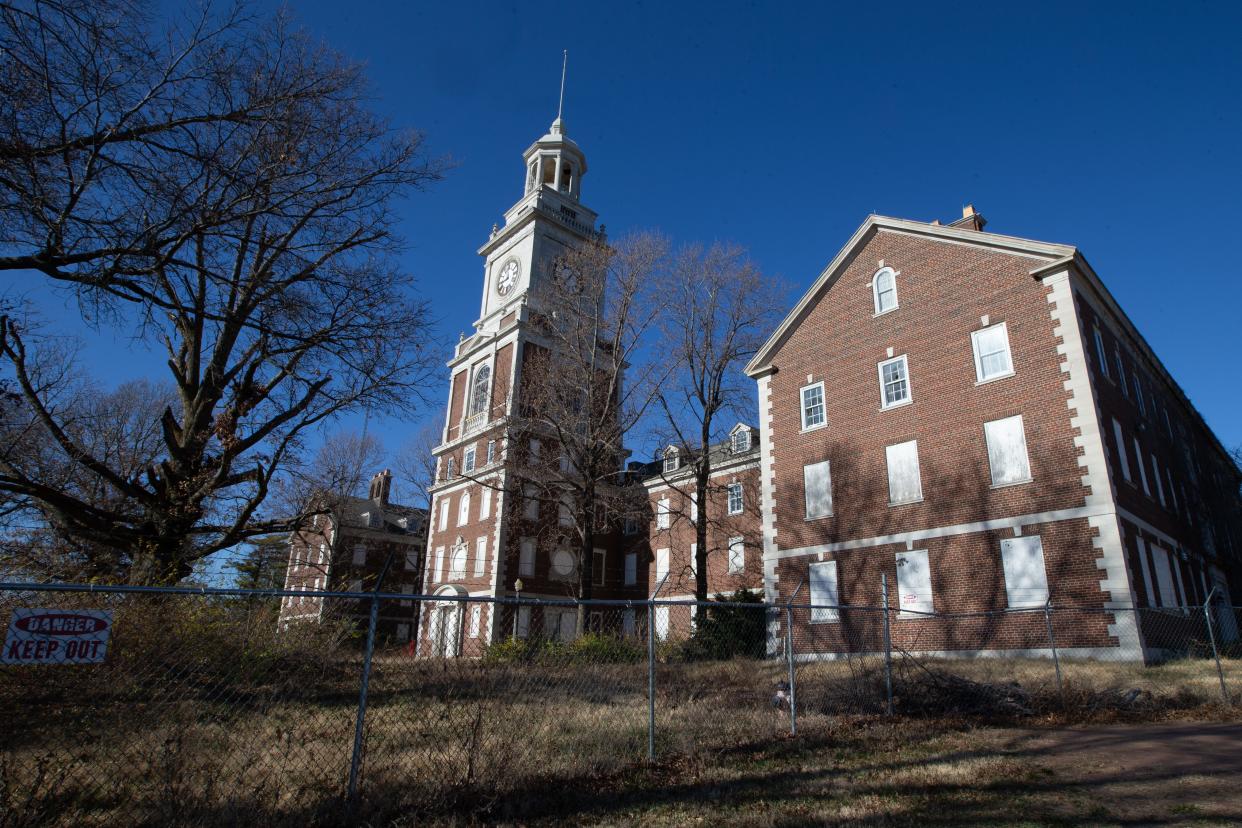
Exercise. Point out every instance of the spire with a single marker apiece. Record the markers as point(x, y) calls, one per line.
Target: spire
point(558, 126)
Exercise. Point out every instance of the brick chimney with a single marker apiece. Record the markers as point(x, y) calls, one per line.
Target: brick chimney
point(381, 485)
point(970, 219)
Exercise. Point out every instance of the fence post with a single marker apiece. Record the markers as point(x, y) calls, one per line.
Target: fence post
point(789, 651)
point(355, 762)
point(651, 669)
point(1052, 642)
point(888, 646)
point(1220, 673)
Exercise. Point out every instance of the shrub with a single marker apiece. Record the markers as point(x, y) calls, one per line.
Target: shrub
point(724, 629)
point(595, 648)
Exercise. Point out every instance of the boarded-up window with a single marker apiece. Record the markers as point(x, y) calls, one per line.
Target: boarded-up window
point(526, 559)
point(1007, 451)
point(661, 623)
point(485, 503)
point(914, 587)
point(444, 513)
point(480, 555)
point(631, 568)
point(463, 509)
point(737, 555)
point(662, 511)
point(1142, 467)
point(824, 591)
point(597, 567)
point(628, 627)
point(1026, 580)
point(1153, 600)
point(459, 562)
point(476, 617)
point(1122, 460)
point(1164, 577)
point(905, 484)
point(531, 506)
point(817, 484)
point(661, 557)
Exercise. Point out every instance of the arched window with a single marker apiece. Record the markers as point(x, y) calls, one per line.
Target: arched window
point(480, 390)
point(885, 287)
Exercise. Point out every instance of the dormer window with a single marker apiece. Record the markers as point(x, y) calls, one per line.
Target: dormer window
point(740, 441)
point(884, 287)
point(672, 460)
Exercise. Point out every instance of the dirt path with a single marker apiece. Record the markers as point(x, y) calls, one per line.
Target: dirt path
point(1155, 774)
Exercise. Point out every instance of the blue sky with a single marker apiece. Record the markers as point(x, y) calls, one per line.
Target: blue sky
point(1114, 127)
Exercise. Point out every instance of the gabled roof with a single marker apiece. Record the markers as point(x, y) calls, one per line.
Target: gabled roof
point(1042, 251)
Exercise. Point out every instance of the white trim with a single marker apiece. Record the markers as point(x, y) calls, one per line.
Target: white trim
point(657, 485)
point(767, 491)
point(823, 406)
point(980, 379)
point(875, 291)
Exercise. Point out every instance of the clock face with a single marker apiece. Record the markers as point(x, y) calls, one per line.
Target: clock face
point(508, 277)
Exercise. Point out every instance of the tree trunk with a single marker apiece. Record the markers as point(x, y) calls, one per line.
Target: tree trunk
point(700, 530)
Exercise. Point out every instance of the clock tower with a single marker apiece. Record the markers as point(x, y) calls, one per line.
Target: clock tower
point(478, 544)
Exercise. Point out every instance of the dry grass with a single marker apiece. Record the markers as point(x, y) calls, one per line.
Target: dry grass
point(462, 740)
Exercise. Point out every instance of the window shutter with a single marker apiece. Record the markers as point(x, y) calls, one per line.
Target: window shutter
point(824, 591)
point(1007, 451)
point(1026, 580)
point(904, 481)
point(817, 483)
point(914, 587)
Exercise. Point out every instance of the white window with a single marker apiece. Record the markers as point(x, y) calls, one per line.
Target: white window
point(476, 619)
point(526, 559)
point(824, 599)
point(1121, 451)
point(535, 449)
point(992, 357)
point(480, 556)
point(450, 469)
point(565, 511)
point(672, 460)
point(662, 512)
point(735, 498)
point(1026, 580)
point(737, 555)
point(884, 288)
point(491, 451)
point(1099, 353)
point(444, 512)
point(597, 568)
point(894, 382)
point(485, 503)
point(360, 555)
point(467, 463)
point(1142, 467)
point(817, 485)
point(1138, 394)
point(813, 406)
point(463, 509)
point(564, 564)
point(914, 586)
point(531, 506)
point(1121, 372)
point(437, 571)
point(905, 484)
point(631, 568)
point(661, 557)
point(1007, 451)
point(459, 563)
point(741, 441)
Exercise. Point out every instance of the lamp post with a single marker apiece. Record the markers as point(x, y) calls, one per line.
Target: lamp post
point(517, 591)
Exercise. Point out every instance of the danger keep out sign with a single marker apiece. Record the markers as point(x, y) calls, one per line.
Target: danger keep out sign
point(52, 636)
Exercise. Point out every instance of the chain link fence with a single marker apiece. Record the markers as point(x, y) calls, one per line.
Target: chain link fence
point(205, 707)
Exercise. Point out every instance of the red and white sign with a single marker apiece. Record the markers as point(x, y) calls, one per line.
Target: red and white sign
point(54, 636)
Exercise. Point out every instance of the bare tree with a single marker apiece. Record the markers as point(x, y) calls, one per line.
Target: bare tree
point(726, 308)
point(220, 190)
point(416, 463)
point(584, 385)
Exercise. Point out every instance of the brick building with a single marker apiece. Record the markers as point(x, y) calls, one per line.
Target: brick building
point(347, 548)
point(973, 415)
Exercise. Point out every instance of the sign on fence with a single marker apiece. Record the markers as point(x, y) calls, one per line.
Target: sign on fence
point(53, 636)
